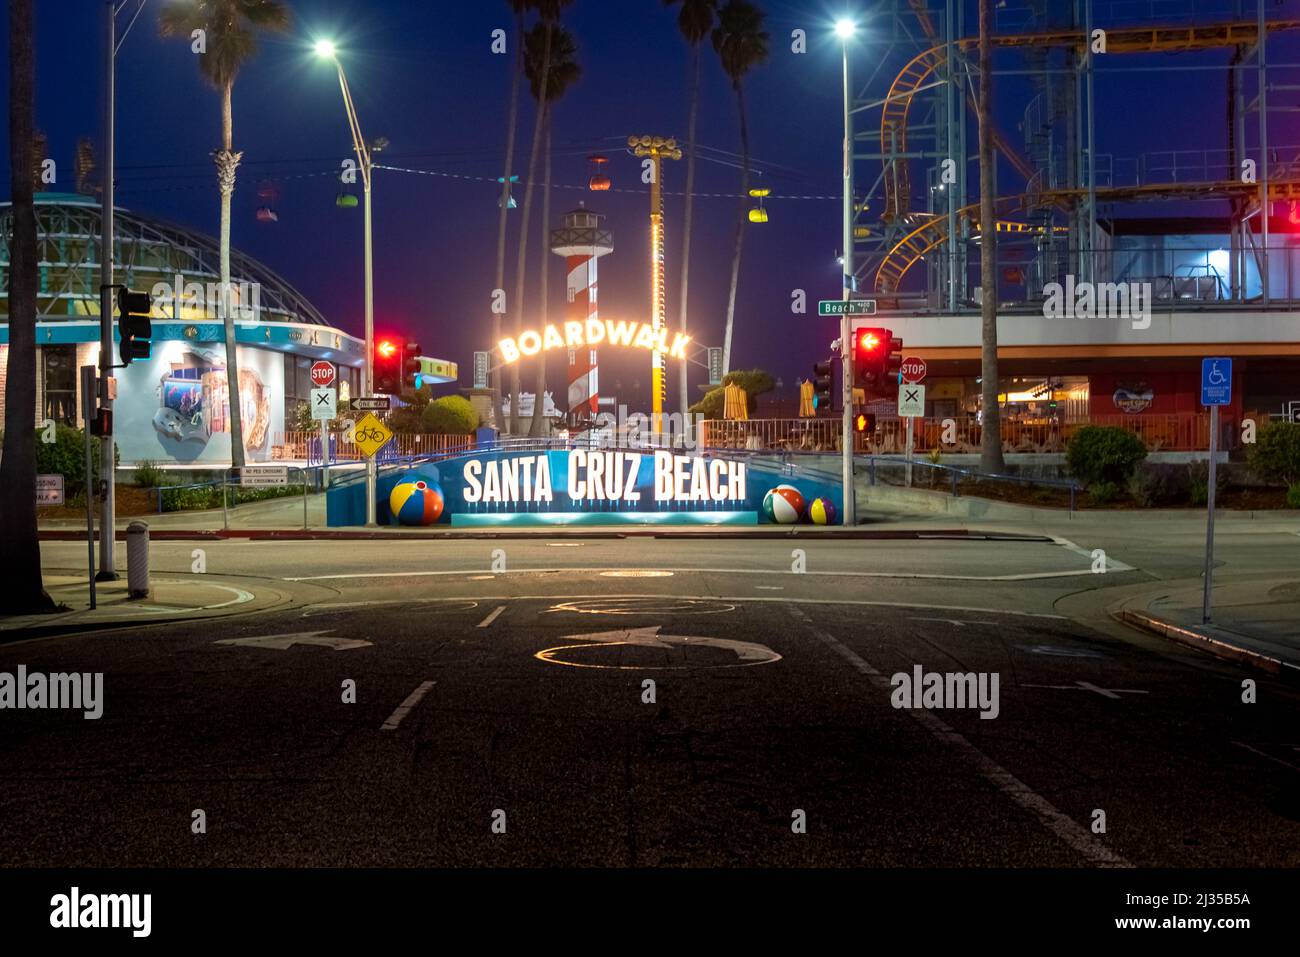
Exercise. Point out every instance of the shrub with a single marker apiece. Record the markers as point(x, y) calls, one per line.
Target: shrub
point(1099, 493)
point(1103, 453)
point(754, 381)
point(450, 415)
point(149, 475)
point(66, 456)
point(1275, 456)
point(1157, 484)
point(1198, 478)
point(1293, 495)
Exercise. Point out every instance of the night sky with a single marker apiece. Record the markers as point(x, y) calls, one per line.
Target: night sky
point(422, 74)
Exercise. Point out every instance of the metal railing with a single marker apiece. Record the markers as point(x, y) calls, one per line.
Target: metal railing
point(956, 474)
point(306, 446)
point(1173, 432)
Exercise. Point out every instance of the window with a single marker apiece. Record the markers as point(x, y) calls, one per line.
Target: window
point(60, 375)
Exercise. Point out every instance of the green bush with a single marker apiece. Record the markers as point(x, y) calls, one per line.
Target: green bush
point(1104, 453)
point(1157, 484)
point(66, 456)
point(1293, 495)
point(450, 415)
point(1275, 456)
point(1099, 493)
point(149, 475)
point(1198, 478)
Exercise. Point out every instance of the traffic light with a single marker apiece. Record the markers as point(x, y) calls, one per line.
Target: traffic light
point(133, 325)
point(823, 382)
point(864, 422)
point(870, 358)
point(893, 365)
point(387, 368)
point(412, 366)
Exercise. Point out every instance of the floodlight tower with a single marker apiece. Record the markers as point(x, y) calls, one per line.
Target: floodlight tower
point(582, 240)
point(657, 149)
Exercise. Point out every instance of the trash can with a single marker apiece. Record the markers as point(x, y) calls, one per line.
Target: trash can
point(137, 560)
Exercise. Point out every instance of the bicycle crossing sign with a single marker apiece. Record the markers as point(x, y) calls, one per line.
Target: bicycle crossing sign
point(1216, 381)
point(371, 435)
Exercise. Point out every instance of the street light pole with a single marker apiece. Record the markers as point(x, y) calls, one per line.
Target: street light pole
point(845, 29)
point(107, 564)
point(364, 160)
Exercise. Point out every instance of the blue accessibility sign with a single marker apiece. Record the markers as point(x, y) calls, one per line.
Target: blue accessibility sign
point(1216, 381)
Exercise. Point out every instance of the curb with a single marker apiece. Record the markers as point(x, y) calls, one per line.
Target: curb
point(1215, 646)
point(588, 532)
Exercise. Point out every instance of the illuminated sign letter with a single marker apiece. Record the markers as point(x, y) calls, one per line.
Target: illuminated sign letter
point(473, 489)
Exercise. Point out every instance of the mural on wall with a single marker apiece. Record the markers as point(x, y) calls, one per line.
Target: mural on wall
point(1133, 397)
point(182, 394)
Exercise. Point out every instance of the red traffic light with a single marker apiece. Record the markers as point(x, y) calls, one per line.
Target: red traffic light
point(868, 341)
point(386, 349)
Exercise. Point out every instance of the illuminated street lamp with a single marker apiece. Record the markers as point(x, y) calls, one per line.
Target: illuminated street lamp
point(326, 50)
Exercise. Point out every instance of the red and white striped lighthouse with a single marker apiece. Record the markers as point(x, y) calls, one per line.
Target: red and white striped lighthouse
point(582, 241)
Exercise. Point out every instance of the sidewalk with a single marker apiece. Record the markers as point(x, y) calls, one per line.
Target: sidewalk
point(171, 598)
point(1254, 622)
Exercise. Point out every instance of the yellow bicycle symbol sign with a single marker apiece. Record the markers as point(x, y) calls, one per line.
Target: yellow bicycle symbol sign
point(371, 435)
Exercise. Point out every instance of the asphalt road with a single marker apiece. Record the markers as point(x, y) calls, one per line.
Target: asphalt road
point(517, 696)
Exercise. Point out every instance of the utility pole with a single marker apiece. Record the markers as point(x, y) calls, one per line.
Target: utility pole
point(107, 566)
point(849, 494)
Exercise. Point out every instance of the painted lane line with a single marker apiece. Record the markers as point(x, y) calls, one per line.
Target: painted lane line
point(646, 572)
point(1111, 564)
point(492, 616)
point(570, 597)
point(1076, 836)
point(1285, 764)
point(405, 707)
point(1088, 686)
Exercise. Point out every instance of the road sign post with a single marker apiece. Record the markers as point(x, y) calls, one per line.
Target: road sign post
point(1216, 390)
point(911, 405)
point(844, 308)
point(324, 408)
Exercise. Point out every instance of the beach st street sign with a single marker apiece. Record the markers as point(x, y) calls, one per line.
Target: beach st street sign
point(846, 307)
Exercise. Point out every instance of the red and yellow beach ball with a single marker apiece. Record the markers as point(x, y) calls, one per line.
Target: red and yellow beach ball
point(416, 503)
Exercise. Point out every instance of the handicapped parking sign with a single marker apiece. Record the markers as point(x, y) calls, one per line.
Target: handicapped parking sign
point(1216, 381)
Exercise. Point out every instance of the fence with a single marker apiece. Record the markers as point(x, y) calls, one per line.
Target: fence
point(305, 446)
point(1177, 432)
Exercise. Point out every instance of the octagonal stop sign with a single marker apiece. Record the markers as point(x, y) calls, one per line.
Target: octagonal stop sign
point(322, 374)
point(913, 369)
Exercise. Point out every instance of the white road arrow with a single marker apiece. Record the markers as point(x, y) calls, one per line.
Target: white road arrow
point(747, 652)
point(282, 642)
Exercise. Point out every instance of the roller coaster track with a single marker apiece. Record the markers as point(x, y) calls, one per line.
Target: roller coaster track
point(913, 76)
point(914, 246)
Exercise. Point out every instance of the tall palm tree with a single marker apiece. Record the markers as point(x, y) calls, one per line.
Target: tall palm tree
point(695, 20)
point(741, 44)
point(230, 37)
point(20, 559)
point(991, 419)
point(564, 71)
point(550, 13)
point(520, 9)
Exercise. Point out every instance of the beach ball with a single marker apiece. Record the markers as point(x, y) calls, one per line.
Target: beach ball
point(416, 503)
point(783, 504)
point(821, 511)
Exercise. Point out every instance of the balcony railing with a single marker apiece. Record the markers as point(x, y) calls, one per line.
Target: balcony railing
point(305, 446)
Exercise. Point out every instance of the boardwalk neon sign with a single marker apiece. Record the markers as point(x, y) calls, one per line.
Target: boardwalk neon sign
point(593, 332)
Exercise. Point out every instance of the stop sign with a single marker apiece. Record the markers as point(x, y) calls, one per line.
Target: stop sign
point(322, 374)
point(913, 369)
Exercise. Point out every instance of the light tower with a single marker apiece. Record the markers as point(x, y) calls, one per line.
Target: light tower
point(582, 241)
point(658, 149)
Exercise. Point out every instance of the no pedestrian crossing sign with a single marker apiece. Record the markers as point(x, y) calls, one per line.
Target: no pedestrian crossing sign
point(911, 401)
point(1216, 381)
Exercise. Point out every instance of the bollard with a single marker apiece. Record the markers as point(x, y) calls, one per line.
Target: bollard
point(137, 560)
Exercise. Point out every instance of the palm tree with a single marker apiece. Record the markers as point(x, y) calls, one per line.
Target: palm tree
point(564, 72)
point(694, 21)
point(230, 30)
point(20, 559)
point(741, 44)
point(520, 8)
point(550, 12)
point(991, 419)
